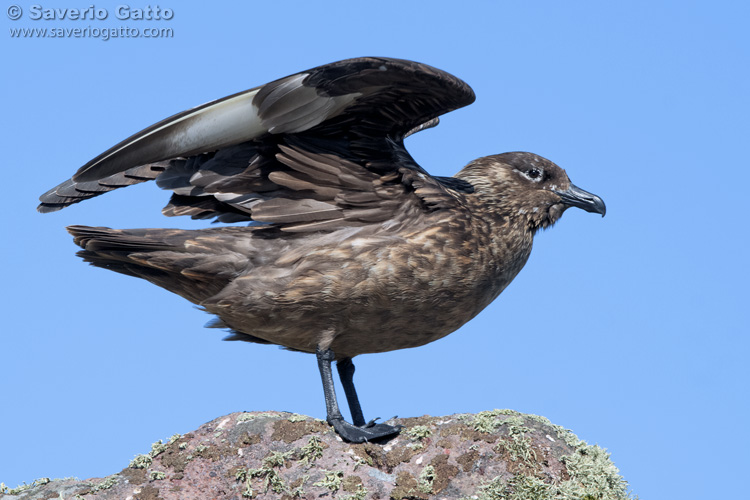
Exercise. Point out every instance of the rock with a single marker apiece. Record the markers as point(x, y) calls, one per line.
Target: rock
point(498, 454)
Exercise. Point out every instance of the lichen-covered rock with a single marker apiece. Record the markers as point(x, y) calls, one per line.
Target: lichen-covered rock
point(498, 454)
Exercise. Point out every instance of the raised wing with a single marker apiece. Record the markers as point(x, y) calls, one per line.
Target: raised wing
point(309, 151)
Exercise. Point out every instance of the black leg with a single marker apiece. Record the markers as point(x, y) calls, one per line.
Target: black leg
point(329, 391)
point(353, 433)
point(346, 374)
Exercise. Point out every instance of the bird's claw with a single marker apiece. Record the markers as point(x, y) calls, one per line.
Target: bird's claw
point(371, 423)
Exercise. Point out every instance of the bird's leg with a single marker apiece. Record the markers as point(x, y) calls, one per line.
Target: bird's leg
point(346, 374)
point(354, 433)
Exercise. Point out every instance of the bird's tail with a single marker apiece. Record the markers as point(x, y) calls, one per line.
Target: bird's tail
point(165, 257)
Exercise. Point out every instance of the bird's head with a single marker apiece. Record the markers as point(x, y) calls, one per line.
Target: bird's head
point(526, 188)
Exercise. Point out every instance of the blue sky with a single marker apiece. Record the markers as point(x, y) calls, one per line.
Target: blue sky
point(630, 330)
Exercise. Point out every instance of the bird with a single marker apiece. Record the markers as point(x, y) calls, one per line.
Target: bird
point(350, 246)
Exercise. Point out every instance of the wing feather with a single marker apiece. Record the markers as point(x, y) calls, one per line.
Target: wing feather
point(315, 151)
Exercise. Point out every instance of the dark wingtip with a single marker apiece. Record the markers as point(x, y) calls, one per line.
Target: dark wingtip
point(45, 208)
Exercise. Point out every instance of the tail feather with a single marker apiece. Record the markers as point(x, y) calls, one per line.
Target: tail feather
point(163, 257)
point(96, 239)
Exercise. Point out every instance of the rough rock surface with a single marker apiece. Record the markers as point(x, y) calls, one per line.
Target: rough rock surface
point(498, 454)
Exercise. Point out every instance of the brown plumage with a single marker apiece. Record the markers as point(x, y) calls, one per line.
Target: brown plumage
point(353, 247)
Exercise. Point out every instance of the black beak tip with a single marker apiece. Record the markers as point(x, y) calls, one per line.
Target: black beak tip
point(599, 206)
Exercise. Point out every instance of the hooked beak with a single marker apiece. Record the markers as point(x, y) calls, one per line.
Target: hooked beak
point(577, 197)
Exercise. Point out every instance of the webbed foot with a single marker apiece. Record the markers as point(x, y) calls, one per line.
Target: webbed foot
point(368, 432)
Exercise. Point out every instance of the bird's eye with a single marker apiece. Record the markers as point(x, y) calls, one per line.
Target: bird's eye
point(534, 173)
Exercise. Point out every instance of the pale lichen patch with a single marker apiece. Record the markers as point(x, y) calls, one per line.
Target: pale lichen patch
point(590, 473)
point(105, 485)
point(23, 487)
point(426, 478)
point(331, 481)
point(312, 451)
point(271, 478)
point(140, 462)
point(418, 432)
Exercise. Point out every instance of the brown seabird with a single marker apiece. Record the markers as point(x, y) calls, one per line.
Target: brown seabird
point(351, 246)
